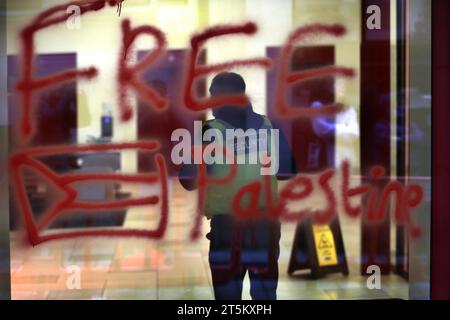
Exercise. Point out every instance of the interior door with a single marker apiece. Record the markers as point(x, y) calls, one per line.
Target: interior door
point(166, 78)
point(312, 141)
point(55, 118)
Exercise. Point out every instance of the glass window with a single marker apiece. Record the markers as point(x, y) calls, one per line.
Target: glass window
point(314, 177)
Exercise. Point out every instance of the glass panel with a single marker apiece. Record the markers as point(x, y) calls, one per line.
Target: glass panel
point(322, 107)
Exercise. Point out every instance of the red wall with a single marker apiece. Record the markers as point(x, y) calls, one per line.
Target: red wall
point(440, 236)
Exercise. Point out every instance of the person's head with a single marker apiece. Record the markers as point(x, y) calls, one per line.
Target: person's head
point(227, 83)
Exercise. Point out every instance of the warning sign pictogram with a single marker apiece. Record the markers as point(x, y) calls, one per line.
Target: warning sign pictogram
point(324, 242)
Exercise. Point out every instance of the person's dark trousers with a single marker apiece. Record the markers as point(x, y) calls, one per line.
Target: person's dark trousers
point(238, 246)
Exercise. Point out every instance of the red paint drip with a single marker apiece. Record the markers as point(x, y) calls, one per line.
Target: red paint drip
point(348, 192)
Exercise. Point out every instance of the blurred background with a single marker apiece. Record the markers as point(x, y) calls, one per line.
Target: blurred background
point(387, 122)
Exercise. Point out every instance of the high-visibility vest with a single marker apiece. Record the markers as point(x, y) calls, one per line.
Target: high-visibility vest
point(219, 198)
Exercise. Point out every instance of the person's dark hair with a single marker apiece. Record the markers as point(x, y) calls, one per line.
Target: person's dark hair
point(227, 82)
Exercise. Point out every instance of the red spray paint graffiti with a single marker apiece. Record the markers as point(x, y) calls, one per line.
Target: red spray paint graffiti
point(29, 158)
point(127, 76)
point(203, 181)
point(28, 85)
point(407, 197)
point(286, 78)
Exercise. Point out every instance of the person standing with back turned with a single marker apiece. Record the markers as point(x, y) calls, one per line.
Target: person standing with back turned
point(238, 245)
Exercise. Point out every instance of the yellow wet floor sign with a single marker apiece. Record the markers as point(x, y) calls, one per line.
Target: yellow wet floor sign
point(324, 243)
